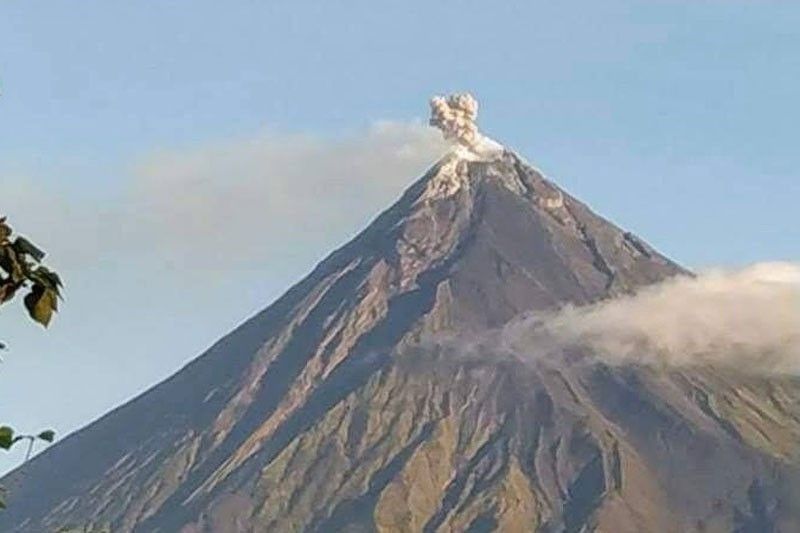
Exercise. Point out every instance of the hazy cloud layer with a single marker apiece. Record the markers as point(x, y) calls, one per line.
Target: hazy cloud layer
point(276, 191)
point(748, 319)
point(256, 202)
point(234, 202)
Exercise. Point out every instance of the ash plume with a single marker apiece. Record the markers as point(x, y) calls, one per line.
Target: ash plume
point(455, 116)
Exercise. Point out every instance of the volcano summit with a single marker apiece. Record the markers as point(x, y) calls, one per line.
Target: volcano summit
point(340, 408)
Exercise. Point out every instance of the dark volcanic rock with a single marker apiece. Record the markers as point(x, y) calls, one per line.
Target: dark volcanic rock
point(329, 411)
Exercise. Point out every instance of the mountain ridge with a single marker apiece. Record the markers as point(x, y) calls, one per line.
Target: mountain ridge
point(325, 412)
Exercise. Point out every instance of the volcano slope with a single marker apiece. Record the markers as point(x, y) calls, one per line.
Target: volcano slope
point(339, 407)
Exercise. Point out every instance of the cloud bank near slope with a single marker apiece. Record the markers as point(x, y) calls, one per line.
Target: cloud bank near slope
point(748, 319)
point(249, 199)
point(276, 189)
point(262, 192)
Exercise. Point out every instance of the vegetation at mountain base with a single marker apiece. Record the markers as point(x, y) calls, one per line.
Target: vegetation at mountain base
point(21, 270)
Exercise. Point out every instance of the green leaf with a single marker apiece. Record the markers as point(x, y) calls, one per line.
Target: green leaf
point(17, 269)
point(50, 276)
point(7, 290)
point(6, 437)
point(47, 435)
point(5, 230)
point(6, 263)
point(47, 278)
point(25, 247)
point(41, 302)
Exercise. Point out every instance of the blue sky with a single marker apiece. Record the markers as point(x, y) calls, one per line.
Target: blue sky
point(138, 139)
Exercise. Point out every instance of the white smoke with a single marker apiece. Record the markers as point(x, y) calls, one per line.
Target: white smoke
point(747, 319)
point(456, 115)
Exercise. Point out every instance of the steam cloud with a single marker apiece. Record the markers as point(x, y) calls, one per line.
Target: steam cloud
point(748, 319)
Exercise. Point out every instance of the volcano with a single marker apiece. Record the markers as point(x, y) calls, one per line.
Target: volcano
point(339, 407)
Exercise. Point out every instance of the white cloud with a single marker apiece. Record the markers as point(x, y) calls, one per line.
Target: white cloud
point(259, 201)
point(226, 204)
point(250, 197)
point(748, 319)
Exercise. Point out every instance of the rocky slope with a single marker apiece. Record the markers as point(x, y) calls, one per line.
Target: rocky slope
point(341, 408)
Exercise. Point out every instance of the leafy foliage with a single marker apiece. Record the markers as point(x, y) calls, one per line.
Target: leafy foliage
point(6, 437)
point(47, 435)
point(21, 268)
